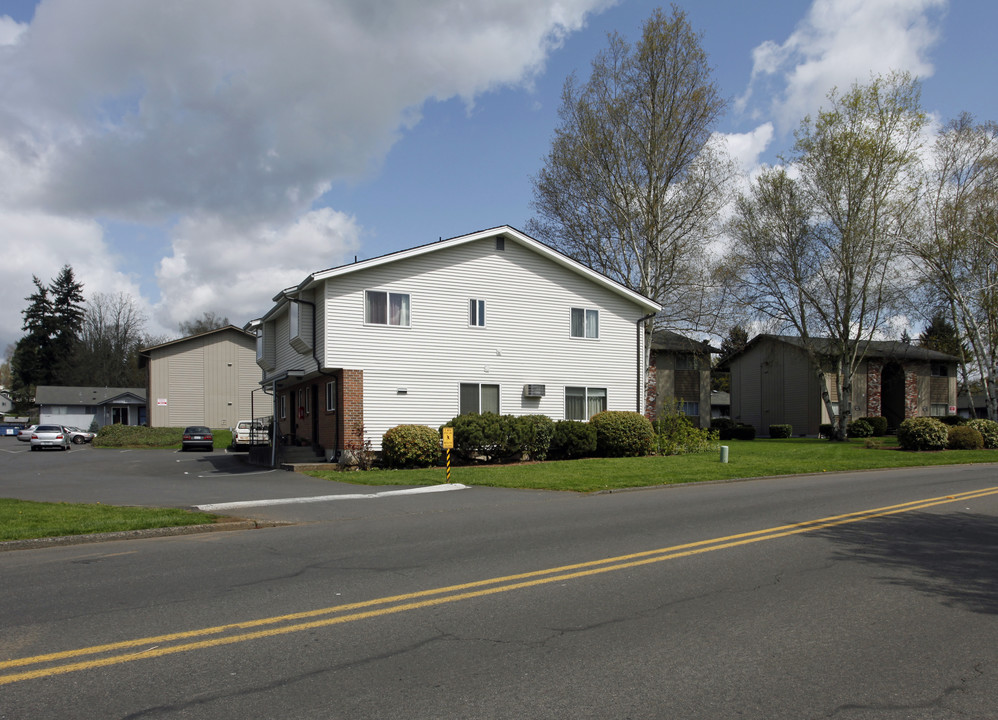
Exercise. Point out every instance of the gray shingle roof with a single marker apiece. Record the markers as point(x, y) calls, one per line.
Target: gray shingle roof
point(56, 395)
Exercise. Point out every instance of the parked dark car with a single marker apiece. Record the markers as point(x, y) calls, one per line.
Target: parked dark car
point(45, 436)
point(197, 436)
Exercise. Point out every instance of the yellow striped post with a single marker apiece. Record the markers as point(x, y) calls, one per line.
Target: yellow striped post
point(448, 444)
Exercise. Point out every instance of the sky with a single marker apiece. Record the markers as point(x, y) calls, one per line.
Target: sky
point(202, 156)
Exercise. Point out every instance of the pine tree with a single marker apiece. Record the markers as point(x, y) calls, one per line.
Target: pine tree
point(941, 335)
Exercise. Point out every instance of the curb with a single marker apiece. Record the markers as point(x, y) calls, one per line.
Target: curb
point(63, 540)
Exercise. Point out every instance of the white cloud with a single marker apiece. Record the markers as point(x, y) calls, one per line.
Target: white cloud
point(841, 42)
point(220, 120)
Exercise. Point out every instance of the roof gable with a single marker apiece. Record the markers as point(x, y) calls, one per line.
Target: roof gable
point(57, 395)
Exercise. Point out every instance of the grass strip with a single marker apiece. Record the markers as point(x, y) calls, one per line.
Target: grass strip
point(26, 520)
point(746, 459)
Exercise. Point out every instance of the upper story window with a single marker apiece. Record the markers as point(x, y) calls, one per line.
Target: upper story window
point(939, 370)
point(585, 323)
point(476, 313)
point(386, 308)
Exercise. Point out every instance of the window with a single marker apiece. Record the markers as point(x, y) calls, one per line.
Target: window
point(476, 313)
point(692, 409)
point(331, 396)
point(938, 409)
point(294, 319)
point(500, 243)
point(585, 323)
point(259, 345)
point(308, 400)
point(686, 362)
point(582, 403)
point(939, 370)
point(386, 308)
point(477, 398)
point(284, 406)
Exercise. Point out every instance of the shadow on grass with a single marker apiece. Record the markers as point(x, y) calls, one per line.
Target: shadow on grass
point(952, 557)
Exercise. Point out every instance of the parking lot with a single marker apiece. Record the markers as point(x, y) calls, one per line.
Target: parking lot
point(161, 478)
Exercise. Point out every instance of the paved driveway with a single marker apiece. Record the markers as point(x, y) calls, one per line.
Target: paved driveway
point(161, 478)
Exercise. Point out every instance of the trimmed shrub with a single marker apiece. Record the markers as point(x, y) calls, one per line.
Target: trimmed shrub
point(781, 431)
point(723, 426)
point(962, 437)
point(988, 430)
point(675, 434)
point(572, 439)
point(878, 423)
point(859, 429)
point(535, 433)
point(743, 431)
point(826, 430)
point(486, 436)
point(922, 433)
point(622, 433)
point(410, 446)
point(951, 420)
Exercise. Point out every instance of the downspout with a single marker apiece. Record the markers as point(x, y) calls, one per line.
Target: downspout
point(639, 326)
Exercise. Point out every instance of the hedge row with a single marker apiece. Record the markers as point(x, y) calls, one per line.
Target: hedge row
point(930, 433)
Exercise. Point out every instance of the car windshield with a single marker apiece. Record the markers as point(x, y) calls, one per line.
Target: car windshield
point(197, 430)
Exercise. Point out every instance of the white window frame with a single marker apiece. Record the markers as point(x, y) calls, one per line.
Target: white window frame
point(480, 386)
point(588, 395)
point(308, 400)
point(389, 296)
point(284, 406)
point(588, 332)
point(331, 396)
point(476, 312)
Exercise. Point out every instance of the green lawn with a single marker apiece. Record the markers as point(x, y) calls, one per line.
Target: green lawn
point(23, 520)
point(164, 438)
point(746, 459)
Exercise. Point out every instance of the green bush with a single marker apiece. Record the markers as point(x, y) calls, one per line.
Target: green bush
point(675, 434)
point(410, 446)
point(826, 430)
point(743, 431)
point(572, 439)
point(139, 436)
point(951, 420)
point(486, 436)
point(878, 423)
point(962, 437)
point(859, 429)
point(781, 431)
point(988, 430)
point(535, 433)
point(922, 433)
point(622, 433)
point(723, 426)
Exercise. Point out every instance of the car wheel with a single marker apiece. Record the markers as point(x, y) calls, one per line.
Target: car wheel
point(33, 448)
point(78, 440)
point(211, 449)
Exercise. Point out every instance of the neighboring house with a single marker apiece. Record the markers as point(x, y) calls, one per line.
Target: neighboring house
point(204, 379)
point(720, 404)
point(81, 406)
point(6, 404)
point(493, 321)
point(679, 376)
point(773, 383)
point(978, 408)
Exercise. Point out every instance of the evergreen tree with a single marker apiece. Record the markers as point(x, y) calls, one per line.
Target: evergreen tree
point(941, 335)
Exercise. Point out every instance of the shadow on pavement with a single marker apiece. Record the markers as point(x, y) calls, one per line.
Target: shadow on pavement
point(954, 557)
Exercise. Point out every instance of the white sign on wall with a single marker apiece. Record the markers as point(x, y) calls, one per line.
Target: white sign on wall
point(161, 402)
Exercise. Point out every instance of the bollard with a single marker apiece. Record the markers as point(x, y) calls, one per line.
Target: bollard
point(724, 453)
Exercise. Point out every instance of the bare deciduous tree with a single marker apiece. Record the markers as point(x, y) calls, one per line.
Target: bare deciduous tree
point(817, 248)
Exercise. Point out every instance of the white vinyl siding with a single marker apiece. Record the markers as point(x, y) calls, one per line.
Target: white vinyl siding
point(523, 342)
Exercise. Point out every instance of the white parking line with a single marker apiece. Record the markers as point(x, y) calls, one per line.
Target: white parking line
point(327, 498)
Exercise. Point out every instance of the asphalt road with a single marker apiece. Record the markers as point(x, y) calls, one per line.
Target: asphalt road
point(864, 595)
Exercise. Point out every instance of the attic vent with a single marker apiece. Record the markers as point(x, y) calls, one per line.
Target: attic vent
point(500, 243)
point(533, 391)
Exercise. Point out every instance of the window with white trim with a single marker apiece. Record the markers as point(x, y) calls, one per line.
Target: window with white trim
point(479, 398)
point(938, 409)
point(585, 323)
point(476, 313)
point(386, 308)
point(581, 403)
point(308, 400)
point(691, 409)
point(331, 396)
point(284, 407)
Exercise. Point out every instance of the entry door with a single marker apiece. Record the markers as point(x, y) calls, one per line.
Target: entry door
point(119, 415)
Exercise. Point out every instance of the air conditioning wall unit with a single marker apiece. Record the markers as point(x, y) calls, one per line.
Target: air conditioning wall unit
point(533, 391)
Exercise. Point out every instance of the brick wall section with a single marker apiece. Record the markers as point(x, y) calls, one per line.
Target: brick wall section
point(910, 392)
point(874, 388)
point(352, 408)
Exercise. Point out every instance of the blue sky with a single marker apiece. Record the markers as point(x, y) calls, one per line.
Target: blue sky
point(201, 156)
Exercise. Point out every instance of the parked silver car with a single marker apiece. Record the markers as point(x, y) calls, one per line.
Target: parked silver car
point(45, 436)
point(24, 434)
point(78, 436)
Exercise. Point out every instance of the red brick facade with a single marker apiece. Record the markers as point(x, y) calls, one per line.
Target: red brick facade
point(308, 418)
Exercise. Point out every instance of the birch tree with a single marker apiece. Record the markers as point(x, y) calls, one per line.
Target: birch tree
point(817, 245)
point(958, 252)
point(633, 183)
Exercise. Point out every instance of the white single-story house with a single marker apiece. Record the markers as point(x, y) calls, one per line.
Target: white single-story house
point(81, 406)
point(493, 321)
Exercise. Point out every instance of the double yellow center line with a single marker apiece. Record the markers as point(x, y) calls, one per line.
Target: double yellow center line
point(68, 661)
